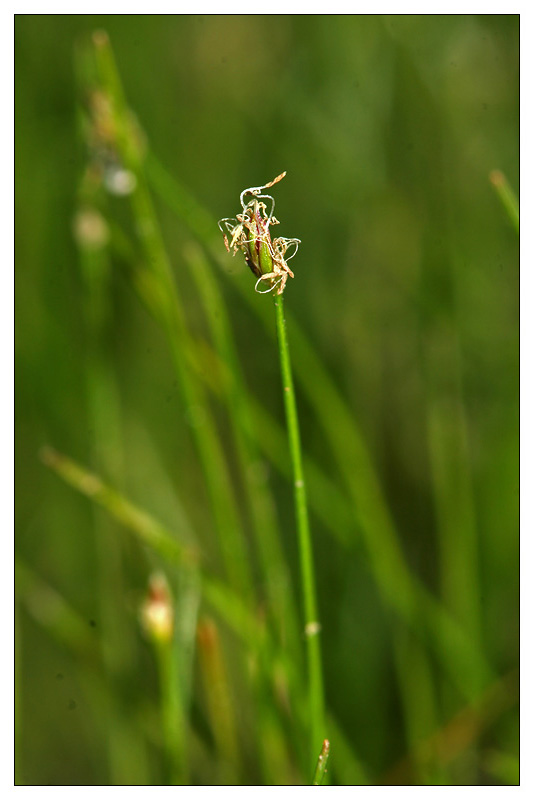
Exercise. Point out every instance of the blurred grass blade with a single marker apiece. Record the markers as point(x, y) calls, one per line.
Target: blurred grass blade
point(50, 609)
point(322, 762)
point(504, 767)
point(326, 499)
point(157, 537)
point(507, 196)
point(158, 616)
point(142, 524)
point(455, 511)
point(219, 702)
point(91, 234)
point(347, 767)
point(128, 142)
point(461, 731)
point(420, 703)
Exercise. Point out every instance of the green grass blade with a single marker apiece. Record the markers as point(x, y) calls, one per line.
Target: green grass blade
point(151, 533)
point(347, 767)
point(104, 423)
point(507, 196)
point(170, 310)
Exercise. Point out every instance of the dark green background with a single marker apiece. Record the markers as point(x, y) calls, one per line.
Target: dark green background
point(406, 284)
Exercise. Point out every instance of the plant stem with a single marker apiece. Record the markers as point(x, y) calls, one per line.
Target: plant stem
point(311, 629)
point(175, 732)
point(220, 706)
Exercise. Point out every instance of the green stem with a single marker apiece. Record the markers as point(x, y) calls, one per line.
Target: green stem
point(311, 629)
point(175, 732)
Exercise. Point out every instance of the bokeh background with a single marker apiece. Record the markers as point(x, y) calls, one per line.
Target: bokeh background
point(405, 294)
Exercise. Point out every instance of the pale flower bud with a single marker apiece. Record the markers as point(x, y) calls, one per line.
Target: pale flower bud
point(157, 613)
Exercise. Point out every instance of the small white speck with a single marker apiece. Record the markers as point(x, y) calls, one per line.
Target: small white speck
point(312, 628)
point(119, 181)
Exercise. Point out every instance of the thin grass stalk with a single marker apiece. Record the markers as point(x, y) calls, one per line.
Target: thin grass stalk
point(452, 482)
point(214, 464)
point(325, 499)
point(174, 721)
point(50, 610)
point(158, 617)
point(219, 485)
point(449, 448)
point(417, 686)
point(507, 196)
point(455, 512)
point(462, 730)
point(312, 626)
point(18, 765)
point(220, 705)
point(347, 766)
point(103, 411)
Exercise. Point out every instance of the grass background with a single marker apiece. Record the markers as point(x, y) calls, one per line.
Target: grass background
point(406, 359)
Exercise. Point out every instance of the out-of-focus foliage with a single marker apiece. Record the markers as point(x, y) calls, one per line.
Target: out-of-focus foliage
point(406, 288)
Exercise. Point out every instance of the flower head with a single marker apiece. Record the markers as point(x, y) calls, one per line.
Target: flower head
point(249, 232)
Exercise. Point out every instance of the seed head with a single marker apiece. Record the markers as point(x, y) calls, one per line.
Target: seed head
point(249, 232)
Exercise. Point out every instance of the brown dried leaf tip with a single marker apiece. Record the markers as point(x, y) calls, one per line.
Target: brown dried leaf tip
point(249, 232)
